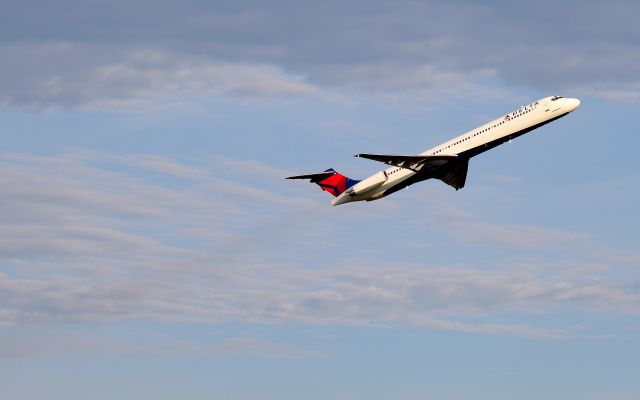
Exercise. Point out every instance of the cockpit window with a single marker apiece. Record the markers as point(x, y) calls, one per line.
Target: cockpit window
point(554, 98)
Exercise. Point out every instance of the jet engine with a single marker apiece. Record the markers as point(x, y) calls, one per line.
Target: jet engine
point(371, 183)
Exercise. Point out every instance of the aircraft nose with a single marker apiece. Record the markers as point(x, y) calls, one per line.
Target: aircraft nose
point(572, 104)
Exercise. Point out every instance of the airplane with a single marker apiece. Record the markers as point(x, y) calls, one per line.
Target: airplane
point(447, 162)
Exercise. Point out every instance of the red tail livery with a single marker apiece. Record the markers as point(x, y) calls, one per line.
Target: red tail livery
point(329, 181)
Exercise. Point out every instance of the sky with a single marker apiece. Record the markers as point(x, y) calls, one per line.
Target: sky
point(150, 247)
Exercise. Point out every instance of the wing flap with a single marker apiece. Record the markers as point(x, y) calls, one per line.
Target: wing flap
point(455, 174)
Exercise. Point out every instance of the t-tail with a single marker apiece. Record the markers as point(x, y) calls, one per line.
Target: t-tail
point(329, 181)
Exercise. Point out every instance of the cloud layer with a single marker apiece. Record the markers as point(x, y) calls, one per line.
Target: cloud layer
point(70, 75)
point(106, 56)
point(91, 237)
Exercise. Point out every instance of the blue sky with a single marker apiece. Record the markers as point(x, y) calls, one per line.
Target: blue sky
point(151, 249)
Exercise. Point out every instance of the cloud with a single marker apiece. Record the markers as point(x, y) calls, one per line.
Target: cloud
point(468, 229)
point(92, 237)
point(513, 235)
point(73, 75)
point(431, 298)
point(284, 49)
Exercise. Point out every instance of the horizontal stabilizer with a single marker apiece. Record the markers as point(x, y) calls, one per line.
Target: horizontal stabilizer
point(313, 177)
point(415, 163)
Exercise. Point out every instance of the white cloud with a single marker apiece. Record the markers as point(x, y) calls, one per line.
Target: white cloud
point(466, 228)
point(85, 243)
point(90, 76)
point(285, 49)
point(513, 235)
point(410, 82)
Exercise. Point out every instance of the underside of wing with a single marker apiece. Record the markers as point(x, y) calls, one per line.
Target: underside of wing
point(418, 163)
point(454, 174)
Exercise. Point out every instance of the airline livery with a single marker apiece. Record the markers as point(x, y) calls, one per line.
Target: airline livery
point(447, 162)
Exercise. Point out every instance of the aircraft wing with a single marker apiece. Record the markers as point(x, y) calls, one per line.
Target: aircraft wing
point(450, 169)
point(414, 163)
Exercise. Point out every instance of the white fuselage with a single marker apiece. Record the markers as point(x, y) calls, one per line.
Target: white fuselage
point(470, 143)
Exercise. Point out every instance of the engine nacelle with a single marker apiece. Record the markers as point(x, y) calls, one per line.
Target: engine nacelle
point(371, 183)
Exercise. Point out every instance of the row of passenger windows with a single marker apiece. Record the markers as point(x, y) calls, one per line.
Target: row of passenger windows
point(467, 138)
point(482, 131)
point(476, 134)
